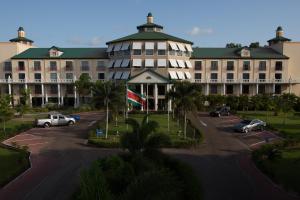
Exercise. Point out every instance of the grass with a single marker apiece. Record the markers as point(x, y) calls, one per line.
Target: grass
point(175, 133)
point(13, 162)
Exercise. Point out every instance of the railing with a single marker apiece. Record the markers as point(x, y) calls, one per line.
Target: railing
point(255, 81)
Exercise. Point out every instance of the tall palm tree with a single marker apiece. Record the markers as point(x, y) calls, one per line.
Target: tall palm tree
point(185, 96)
point(108, 95)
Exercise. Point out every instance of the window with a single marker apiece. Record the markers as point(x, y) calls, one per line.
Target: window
point(37, 65)
point(246, 65)
point(213, 89)
point(7, 75)
point(262, 65)
point(230, 76)
point(53, 66)
point(245, 89)
point(198, 76)
point(85, 65)
point(262, 76)
point(198, 65)
point(69, 76)
point(137, 52)
point(229, 89)
point(21, 76)
point(246, 76)
point(101, 76)
point(278, 76)
point(7, 66)
point(149, 52)
point(53, 89)
point(53, 76)
point(100, 65)
point(161, 90)
point(21, 65)
point(70, 89)
point(214, 76)
point(38, 89)
point(37, 76)
point(69, 65)
point(230, 65)
point(278, 66)
point(261, 89)
point(214, 65)
point(161, 52)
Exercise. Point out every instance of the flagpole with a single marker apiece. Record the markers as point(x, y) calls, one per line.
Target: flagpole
point(126, 109)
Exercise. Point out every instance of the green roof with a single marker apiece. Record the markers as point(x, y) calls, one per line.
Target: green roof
point(279, 39)
point(21, 39)
point(233, 53)
point(149, 25)
point(68, 53)
point(150, 36)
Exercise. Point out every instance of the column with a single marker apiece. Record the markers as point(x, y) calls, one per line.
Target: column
point(207, 89)
point(9, 89)
point(169, 101)
point(75, 97)
point(273, 89)
point(241, 89)
point(58, 91)
point(142, 93)
point(155, 97)
point(224, 89)
point(256, 88)
point(43, 95)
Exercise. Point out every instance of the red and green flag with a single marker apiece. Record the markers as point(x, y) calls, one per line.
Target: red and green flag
point(135, 99)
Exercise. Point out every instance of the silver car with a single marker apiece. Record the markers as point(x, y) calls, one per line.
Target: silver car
point(246, 126)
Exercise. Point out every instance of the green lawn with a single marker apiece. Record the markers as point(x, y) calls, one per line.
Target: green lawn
point(12, 163)
point(15, 126)
point(175, 133)
point(291, 128)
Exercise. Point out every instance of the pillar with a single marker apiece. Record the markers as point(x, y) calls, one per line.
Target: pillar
point(155, 97)
point(257, 88)
point(9, 89)
point(224, 89)
point(43, 95)
point(169, 101)
point(273, 88)
point(58, 91)
point(75, 97)
point(207, 89)
point(241, 89)
point(142, 93)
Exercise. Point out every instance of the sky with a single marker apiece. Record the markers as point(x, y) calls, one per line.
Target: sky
point(91, 23)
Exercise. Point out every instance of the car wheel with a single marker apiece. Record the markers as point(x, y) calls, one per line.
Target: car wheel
point(246, 130)
point(71, 123)
point(219, 114)
point(46, 125)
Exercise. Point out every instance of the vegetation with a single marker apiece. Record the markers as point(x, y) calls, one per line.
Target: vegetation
point(84, 85)
point(13, 162)
point(254, 45)
point(233, 45)
point(6, 111)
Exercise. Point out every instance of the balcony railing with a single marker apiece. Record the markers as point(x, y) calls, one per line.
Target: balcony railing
point(237, 81)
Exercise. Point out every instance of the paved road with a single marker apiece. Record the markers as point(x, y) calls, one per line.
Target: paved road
point(58, 155)
point(223, 163)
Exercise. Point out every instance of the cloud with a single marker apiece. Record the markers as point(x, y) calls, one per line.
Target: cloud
point(197, 31)
point(95, 41)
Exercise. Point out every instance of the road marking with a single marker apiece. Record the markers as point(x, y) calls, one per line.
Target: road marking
point(26, 139)
point(92, 123)
point(257, 143)
point(253, 134)
point(203, 123)
point(37, 143)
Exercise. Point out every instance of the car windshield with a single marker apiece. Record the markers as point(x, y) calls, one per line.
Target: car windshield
point(246, 122)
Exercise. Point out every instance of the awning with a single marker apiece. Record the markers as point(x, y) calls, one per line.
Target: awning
point(137, 45)
point(136, 62)
point(111, 63)
point(125, 63)
point(161, 46)
point(118, 75)
point(180, 75)
point(173, 46)
point(181, 63)
point(149, 45)
point(188, 64)
point(125, 75)
point(111, 75)
point(161, 62)
point(149, 62)
point(173, 63)
point(173, 75)
point(118, 63)
point(181, 47)
point(110, 48)
point(188, 75)
point(189, 47)
point(118, 47)
point(125, 46)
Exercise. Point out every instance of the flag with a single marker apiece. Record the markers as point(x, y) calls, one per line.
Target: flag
point(135, 99)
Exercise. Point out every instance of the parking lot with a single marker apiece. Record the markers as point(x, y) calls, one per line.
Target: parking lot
point(253, 139)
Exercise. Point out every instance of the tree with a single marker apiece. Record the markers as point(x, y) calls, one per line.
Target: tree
point(143, 136)
point(84, 86)
point(244, 102)
point(108, 95)
point(215, 100)
point(24, 105)
point(185, 96)
point(6, 112)
point(254, 45)
point(233, 45)
point(287, 103)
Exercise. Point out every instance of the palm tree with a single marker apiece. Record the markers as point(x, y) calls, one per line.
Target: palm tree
point(185, 96)
point(108, 95)
point(143, 136)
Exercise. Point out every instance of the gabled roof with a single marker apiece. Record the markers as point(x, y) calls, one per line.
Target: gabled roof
point(279, 39)
point(21, 39)
point(151, 71)
point(55, 48)
point(232, 53)
point(150, 36)
point(69, 53)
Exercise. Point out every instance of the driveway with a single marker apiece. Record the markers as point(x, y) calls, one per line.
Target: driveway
point(57, 155)
point(224, 165)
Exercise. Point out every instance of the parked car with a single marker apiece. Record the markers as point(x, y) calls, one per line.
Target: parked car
point(220, 111)
point(56, 120)
point(246, 126)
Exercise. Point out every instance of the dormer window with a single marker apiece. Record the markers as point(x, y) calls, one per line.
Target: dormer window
point(245, 53)
point(55, 52)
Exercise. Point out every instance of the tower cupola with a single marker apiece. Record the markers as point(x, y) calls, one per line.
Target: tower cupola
point(22, 37)
point(21, 32)
point(149, 18)
point(279, 32)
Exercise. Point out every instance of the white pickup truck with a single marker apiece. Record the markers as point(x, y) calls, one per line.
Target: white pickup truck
point(56, 120)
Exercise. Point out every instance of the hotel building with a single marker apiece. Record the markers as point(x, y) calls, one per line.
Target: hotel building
point(148, 60)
